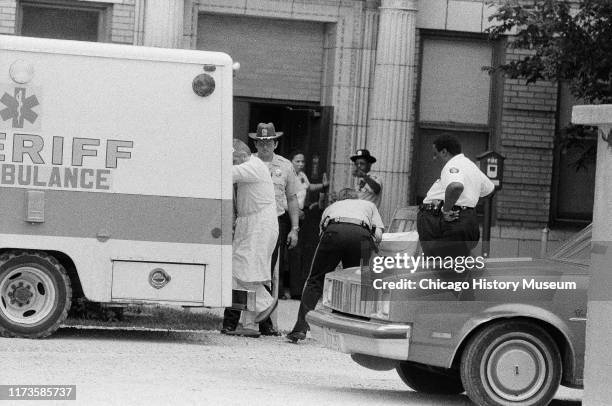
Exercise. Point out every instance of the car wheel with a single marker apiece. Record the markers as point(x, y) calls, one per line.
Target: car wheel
point(513, 363)
point(428, 379)
point(35, 294)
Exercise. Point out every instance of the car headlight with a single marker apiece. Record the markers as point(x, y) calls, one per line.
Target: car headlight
point(327, 292)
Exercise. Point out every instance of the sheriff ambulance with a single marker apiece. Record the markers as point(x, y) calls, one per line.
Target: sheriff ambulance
point(115, 178)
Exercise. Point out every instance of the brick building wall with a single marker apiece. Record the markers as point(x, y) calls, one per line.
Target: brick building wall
point(8, 14)
point(123, 22)
point(527, 141)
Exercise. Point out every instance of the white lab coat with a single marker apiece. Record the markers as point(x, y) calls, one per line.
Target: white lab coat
point(256, 230)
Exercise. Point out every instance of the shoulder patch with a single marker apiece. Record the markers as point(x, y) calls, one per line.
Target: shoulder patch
point(453, 170)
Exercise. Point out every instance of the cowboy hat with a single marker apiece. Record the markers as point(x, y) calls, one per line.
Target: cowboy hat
point(364, 154)
point(265, 132)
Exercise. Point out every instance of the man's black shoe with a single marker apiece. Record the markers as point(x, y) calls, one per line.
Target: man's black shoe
point(295, 336)
point(266, 328)
point(269, 331)
point(244, 332)
point(226, 330)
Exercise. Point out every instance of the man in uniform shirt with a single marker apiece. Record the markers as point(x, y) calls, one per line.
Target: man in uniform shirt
point(447, 222)
point(287, 208)
point(255, 237)
point(347, 227)
point(368, 187)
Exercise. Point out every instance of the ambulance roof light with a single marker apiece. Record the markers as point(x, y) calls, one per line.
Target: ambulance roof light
point(21, 71)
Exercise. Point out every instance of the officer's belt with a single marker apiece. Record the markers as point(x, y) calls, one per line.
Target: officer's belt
point(436, 208)
point(345, 220)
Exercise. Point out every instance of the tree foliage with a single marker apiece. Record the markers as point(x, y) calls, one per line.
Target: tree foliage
point(569, 41)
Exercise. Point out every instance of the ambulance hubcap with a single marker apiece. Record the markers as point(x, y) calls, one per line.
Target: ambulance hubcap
point(27, 295)
point(516, 370)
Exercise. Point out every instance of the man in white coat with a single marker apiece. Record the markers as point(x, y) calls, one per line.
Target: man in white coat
point(255, 237)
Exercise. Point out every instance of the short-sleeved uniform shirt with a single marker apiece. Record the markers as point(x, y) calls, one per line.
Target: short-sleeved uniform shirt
point(365, 192)
point(284, 179)
point(462, 170)
point(303, 184)
point(357, 209)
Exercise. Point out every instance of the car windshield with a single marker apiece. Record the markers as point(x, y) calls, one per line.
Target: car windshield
point(577, 249)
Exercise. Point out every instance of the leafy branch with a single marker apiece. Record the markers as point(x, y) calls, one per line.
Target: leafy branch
point(564, 43)
point(561, 41)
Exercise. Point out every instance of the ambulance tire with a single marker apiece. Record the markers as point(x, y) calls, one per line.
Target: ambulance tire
point(35, 294)
point(511, 363)
point(429, 379)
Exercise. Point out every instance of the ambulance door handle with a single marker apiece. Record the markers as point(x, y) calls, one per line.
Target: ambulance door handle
point(103, 236)
point(35, 206)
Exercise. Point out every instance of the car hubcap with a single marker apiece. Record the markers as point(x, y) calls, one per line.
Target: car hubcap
point(27, 295)
point(516, 370)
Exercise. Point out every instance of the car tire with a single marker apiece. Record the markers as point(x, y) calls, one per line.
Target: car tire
point(428, 379)
point(35, 294)
point(511, 363)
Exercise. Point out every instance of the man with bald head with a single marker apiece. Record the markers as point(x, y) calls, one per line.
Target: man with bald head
point(255, 237)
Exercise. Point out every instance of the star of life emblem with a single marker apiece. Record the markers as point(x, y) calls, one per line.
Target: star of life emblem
point(17, 107)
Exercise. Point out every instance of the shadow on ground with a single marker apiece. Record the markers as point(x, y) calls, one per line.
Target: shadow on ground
point(149, 336)
point(409, 397)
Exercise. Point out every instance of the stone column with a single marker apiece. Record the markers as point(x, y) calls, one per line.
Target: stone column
point(163, 23)
point(391, 110)
point(366, 74)
point(139, 18)
point(598, 357)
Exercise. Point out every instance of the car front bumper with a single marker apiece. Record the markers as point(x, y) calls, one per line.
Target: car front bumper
point(354, 336)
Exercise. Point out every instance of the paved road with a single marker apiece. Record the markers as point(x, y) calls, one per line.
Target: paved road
point(162, 368)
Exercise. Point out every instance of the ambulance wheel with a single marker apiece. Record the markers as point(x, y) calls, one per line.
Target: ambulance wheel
point(428, 379)
point(35, 294)
point(512, 363)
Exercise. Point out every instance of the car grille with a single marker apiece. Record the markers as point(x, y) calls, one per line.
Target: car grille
point(346, 298)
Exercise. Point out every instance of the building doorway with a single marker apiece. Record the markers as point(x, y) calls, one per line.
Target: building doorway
point(306, 127)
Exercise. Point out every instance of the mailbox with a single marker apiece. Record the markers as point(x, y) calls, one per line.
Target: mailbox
point(492, 165)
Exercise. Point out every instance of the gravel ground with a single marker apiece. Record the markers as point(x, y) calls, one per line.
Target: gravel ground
point(115, 367)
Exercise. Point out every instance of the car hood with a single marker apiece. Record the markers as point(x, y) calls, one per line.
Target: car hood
point(497, 267)
point(525, 266)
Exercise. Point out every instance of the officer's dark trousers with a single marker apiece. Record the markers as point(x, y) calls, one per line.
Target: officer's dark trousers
point(441, 238)
point(339, 242)
point(231, 317)
point(280, 251)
